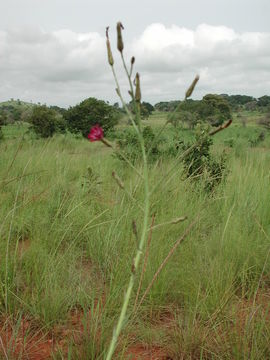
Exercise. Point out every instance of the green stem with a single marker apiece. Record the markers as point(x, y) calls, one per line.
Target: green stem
point(123, 102)
point(136, 260)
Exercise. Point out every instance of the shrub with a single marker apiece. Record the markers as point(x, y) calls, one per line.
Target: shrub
point(45, 122)
point(199, 163)
point(229, 142)
point(183, 117)
point(215, 109)
point(129, 145)
point(265, 121)
point(253, 142)
point(89, 112)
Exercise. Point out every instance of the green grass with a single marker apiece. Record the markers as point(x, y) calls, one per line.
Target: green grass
point(67, 242)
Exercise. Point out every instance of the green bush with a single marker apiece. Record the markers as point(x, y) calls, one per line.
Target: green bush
point(182, 117)
point(1, 123)
point(45, 122)
point(229, 142)
point(89, 112)
point(129, 145)
point(199, 163)
point(254, 141)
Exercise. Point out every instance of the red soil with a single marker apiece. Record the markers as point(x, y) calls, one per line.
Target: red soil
point(139, 352)
point(27, 341)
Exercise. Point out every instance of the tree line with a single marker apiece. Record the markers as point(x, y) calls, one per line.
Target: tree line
point(46, 120)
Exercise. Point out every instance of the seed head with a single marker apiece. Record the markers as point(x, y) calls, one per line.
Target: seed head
point(120, 44)
point(132, 60)
point(138, 94)
point(192, 86)
point(109, 51)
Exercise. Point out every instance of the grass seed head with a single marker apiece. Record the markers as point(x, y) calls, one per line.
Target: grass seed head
point(109, 51)
point(120, 43)
point(138, 94)
point(192, 87)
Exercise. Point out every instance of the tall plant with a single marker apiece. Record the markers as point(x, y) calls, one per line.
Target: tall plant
point(134, 116)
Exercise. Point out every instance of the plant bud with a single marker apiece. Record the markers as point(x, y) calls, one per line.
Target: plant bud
point(109, 51)
point(120, 44)
point(138, 95)
point(192, 86)
point(110, 57)
point(132, 60)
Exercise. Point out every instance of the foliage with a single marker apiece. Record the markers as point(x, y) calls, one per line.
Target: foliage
point(45, 121)
point(146, 110)
point(1, 123)
point(14, 110)
point(214, 109)
point(81, 241)
point(129, 145)
point(91, 181)
point(229, 142)
point(239, 101)
point(183, 117)
point(251, 106)
point(199, 163)
point(88, 113)
point(265, 121)
point(167, 106)
point(254, 141)
point(3, 117)
point(222, 103)
point(263, 101)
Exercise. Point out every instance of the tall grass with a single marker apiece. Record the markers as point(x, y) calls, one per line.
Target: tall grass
point(66, 241)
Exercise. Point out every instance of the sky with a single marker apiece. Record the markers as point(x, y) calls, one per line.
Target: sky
point(54, 51)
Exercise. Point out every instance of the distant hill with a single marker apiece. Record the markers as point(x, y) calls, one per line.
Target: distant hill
point(16, 103)
point(17, 110)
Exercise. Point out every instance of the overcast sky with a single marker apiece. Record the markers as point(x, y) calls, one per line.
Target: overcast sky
point(53, 51)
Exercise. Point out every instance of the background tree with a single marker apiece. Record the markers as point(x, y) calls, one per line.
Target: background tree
point(58, 109)
point(3, 117)
point(45, 121)
point(214, 109)
point(265, 121)
point(146, 109)
point(251, 105)
point(188, 118)
point(1, 123)
point(238, 102)
point(263, 101)
point(89, 112)
point(167, 106)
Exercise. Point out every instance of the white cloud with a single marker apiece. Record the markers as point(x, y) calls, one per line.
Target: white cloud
point(64, 67)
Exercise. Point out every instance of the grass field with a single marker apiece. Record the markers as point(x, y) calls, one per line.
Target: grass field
point(67, 246)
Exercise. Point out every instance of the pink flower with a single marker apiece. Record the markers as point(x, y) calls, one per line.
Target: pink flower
point(96, 133)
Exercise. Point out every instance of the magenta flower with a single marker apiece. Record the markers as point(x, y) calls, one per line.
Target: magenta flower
point(96, 133)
